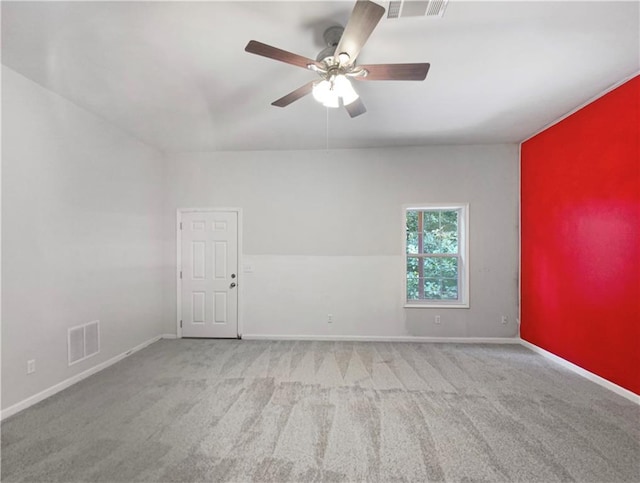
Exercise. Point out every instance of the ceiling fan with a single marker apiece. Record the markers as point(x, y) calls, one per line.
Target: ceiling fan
point(336, 64)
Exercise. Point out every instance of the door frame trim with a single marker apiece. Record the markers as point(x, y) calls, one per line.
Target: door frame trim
point(179, 213)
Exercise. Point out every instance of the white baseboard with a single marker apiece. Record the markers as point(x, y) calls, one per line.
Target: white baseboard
point(631, 396)
point(168, 336)
point(36, 398)
point(382, 338)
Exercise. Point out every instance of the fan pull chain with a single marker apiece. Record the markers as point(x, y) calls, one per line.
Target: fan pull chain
point(327, 130)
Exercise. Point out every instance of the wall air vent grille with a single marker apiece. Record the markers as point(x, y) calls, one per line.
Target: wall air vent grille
point(83, 341)
point(416, 8)
point(91, 338)
point(76, 344)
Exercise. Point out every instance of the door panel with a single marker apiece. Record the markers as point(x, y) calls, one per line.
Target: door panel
point(220, 260)
point(209, 293)
point(198, 250)
point(220, 308)
point(198, 304)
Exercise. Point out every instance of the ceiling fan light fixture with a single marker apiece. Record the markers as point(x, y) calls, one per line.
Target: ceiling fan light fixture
point(328, 93)
point(343, 87)
point(332, 102)
point(325, 94)
point(343, 58)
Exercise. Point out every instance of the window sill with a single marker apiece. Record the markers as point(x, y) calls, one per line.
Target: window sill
point(436, 306)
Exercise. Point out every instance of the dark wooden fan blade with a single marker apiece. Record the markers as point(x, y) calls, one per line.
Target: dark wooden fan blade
point(258, 48)
point(377, 72)
point(363, 20)
point(356, 108)
point(294, 95)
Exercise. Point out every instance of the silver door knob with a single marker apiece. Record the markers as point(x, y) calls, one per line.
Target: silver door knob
point(232, 285)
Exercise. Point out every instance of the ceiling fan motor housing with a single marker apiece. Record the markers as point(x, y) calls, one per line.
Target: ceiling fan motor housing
point(332, 37)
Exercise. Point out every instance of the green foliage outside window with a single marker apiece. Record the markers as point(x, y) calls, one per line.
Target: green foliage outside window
point(436, 274)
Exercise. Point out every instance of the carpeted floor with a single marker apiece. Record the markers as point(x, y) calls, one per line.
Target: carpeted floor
point(205, 410)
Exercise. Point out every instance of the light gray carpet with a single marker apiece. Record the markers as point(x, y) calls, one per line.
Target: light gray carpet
point(204, 410)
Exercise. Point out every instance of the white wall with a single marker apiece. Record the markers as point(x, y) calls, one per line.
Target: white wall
point(323, 232)
point(82, 236)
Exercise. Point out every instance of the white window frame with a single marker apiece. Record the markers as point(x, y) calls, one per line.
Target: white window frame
point(463, 265)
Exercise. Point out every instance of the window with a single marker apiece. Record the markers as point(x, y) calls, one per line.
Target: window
point(436, 256)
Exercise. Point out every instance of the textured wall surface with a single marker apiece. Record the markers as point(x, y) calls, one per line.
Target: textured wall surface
point(581, 237)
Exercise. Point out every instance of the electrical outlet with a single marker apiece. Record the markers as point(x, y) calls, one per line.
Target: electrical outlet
point(330, 318)
point(436, 319)
point(505, 319)
point(31, 366)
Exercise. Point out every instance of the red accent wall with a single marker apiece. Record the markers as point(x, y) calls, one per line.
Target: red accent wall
point(580, 182)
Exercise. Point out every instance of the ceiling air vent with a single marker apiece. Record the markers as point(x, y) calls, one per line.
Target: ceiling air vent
point(416, 8)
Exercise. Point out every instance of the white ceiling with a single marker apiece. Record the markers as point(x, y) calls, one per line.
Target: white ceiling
point(175, 74)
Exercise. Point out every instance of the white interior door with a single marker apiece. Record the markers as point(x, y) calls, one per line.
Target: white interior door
point(209, 258)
